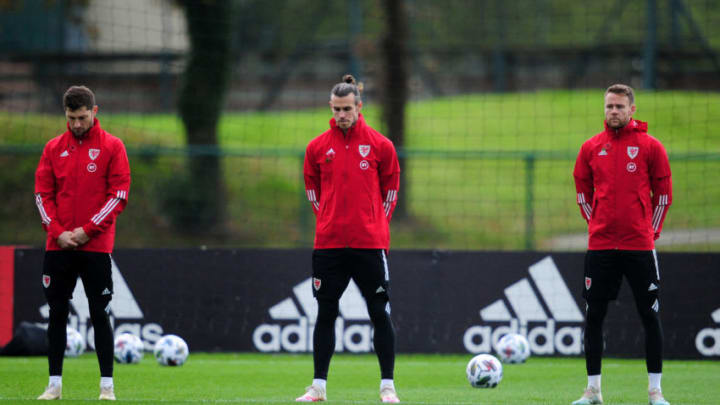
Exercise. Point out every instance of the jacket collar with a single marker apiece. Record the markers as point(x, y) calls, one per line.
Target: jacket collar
point(632, 126)
point(358, 126)
point(91, 133)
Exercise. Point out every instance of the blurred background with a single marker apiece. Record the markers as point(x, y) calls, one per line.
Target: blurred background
point(487, 102)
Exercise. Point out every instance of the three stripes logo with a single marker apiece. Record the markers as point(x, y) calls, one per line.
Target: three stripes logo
point(540, 308)
point(294, 322)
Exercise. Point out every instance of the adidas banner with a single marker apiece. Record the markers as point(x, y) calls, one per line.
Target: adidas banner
point(441, 302)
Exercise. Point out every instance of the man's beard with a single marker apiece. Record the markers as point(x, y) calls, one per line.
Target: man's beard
point(81, 134)
point(619, 125)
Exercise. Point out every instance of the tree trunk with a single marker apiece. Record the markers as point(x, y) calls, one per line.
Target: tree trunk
point(394, 48)
point(200, 103)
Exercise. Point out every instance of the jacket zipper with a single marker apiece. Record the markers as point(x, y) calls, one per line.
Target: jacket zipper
point(76, 180)
point(346, 141)
point(616, 157)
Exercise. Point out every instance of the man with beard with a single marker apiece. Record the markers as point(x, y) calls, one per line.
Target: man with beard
point(622, 178)
point(352, 176)
point(81, 185)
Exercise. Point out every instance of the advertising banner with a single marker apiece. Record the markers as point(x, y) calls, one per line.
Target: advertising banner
point(441, 302)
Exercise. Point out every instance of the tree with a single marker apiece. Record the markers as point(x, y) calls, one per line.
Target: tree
point(394, 55)
point(200, 102)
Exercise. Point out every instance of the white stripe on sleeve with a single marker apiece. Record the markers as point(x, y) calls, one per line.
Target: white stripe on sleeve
point(657, 217)
point(659, 210)
point(109, 206)
point(313, 199)
point(43, 214)
point(587, 208)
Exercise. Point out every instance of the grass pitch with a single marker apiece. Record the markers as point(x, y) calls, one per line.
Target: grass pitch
point(354, 379)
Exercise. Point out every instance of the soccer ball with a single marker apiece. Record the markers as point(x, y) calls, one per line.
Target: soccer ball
point(128, 349)
point(484, 371)
point(513, 348)
point(75, 343)
point(171, 350)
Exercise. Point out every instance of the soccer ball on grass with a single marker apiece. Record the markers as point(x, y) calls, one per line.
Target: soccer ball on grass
point(484, 371)
point(128, 349)
point(75, 345)
point(513, 348)
point(171, 350)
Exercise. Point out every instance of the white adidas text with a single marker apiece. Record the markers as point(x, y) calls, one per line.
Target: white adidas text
point(293, 331)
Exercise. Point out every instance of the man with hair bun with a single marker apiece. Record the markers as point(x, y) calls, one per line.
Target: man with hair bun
point(352, 176)
point(622, 177)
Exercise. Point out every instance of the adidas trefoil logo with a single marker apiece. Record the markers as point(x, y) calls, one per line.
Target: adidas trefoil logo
point(652, 287)
point(106, 291)
point(530, 317)
point(380, 290)
point(64, 154)
point(295, 321)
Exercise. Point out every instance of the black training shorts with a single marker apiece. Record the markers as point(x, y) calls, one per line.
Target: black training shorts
point(333, 269)
point(61, 269)
point(604, 271)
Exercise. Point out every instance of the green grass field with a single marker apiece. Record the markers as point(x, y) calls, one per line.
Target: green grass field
point(474, 199)
point(354, 379)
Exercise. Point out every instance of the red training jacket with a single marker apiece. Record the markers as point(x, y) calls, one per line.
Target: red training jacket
point(624, 189)
point(82, 183)
point(352, 181)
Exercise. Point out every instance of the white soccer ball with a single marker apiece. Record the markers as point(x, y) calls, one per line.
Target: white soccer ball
point(128, 349)
point(513, 348)
point(171, 350)
point(484, 371)
point(75, 345)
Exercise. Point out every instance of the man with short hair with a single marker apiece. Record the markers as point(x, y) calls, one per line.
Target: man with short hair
point(81, 186)
point(352, 176)
point(624, 189)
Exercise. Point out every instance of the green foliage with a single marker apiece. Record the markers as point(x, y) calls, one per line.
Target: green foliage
point(282, 26)
point(478, 25)
point(269, 379)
